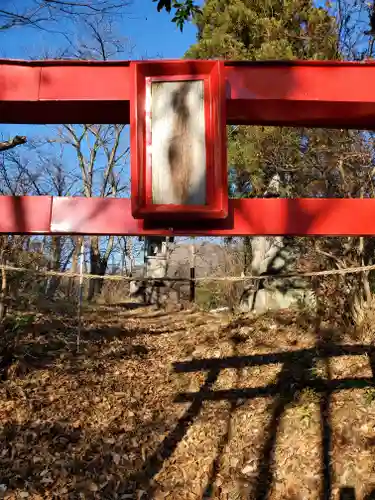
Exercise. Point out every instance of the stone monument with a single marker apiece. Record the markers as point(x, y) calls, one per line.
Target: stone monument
point(155, 289)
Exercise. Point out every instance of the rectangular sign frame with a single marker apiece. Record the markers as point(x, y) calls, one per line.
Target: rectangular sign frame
point(212, 75)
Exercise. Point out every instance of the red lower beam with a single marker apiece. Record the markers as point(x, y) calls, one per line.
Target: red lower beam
point(295, 93)
point(303, 217)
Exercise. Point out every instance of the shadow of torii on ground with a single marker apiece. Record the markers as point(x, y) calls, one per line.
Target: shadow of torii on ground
point(294, 376)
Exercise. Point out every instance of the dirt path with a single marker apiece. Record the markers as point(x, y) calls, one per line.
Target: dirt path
point(187, 405)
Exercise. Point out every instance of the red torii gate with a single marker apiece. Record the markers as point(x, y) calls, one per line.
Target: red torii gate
point(289, 93)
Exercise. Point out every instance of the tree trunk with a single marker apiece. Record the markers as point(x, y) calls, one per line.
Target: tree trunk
point(247, 254)
point(74, 268)
point(98, 267)
point(129, 247)
point(123, 263)
point(55, 266)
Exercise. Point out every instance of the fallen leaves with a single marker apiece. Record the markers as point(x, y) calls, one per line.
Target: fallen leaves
point(106, 423)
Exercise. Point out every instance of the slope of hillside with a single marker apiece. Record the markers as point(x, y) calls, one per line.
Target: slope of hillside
point(185, 405)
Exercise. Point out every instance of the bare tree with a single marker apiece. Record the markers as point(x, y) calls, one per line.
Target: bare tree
point(101, 158)
point(37, 173)
point(99, 171)
point(100, 149)
point(353, 20)
point(47, 14)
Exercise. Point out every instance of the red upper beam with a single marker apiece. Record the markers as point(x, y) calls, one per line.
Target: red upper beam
point(296, 93)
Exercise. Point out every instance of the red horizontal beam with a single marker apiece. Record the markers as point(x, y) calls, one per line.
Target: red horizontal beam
point(102, 216)
point(296, 93)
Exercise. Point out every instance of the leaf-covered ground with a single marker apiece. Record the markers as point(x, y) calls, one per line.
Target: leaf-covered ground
point(185, 405)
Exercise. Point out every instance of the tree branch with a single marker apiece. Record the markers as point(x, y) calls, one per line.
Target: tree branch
point(12, 143)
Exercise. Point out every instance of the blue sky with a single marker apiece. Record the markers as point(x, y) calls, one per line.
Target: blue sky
point(149, 34)
point(155, 36)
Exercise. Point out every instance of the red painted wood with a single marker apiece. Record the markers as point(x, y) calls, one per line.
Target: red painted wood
point(301, 80)
point(19, 82)
point(25, 214)
point(211, 73)
point(301, 93)
point(93, 216)
point(298, 93)
point(70, 83)
point(308, 216)
point(49, 92)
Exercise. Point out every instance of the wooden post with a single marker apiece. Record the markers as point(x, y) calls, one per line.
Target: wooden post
point(192, 274)
point(80, 292)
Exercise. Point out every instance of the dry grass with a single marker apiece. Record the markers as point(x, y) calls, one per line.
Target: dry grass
point(185, 405)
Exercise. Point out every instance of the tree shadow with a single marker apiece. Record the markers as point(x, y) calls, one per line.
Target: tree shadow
point(39, 345)
point(127, 305)
point(348, 493)
point(75, 462)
